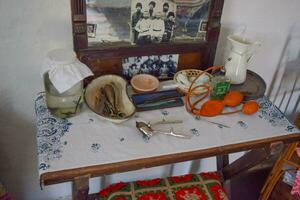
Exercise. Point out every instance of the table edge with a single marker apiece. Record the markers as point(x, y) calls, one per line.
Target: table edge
point(49, 178)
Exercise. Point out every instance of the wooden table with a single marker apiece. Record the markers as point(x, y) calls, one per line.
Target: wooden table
point(87, 146)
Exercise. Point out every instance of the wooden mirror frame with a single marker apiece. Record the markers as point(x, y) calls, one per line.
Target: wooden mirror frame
point(88, 55)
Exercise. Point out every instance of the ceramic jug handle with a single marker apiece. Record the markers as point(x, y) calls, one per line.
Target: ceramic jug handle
point(254, 49)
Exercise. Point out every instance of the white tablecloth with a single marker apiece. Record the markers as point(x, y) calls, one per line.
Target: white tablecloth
point(87, 140)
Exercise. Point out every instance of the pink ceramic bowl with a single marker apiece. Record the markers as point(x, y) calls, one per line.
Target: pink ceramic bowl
point(144, 83)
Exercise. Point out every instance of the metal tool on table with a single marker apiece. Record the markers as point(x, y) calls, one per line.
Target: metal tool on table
point(148, 131)
point(164, 121)
point(215, 123)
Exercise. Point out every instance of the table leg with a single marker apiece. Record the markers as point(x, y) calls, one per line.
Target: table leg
point(81, 187)
point(222, 161)
point(227, 187)
point(247, 161)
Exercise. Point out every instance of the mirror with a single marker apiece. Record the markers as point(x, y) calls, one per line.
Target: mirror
point(103, 32)
point(145, 21)
point(108, 20)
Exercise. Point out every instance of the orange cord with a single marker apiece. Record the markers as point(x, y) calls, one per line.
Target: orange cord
point(191, 107)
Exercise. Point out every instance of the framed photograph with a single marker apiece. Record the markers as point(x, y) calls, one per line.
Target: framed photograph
point(144, 21)
point(189, 18)
point(202, 30)
point(203, 25)
point(201, 35)
point(163, 67)
point(91, 30)
point(152, 21)
point(112, 18)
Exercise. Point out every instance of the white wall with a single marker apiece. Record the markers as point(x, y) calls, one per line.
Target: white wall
point(270, 21)
point(28, 29)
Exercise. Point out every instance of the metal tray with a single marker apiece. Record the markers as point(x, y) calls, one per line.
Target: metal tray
point(253, 88)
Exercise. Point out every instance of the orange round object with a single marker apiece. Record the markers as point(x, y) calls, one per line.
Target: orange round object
point(250, 107)
point(233, 98)
point(211, 108)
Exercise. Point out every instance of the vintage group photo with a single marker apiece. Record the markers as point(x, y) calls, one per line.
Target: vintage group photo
point(164, 66)
point(146, 21)
point(152, 21)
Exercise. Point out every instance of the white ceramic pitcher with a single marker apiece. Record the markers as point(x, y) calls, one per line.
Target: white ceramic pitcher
point(241, 52)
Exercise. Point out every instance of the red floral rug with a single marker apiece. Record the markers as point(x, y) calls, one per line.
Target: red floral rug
point(204, 186)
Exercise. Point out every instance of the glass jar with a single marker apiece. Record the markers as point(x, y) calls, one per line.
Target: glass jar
point(66, 104)
point(220, 87)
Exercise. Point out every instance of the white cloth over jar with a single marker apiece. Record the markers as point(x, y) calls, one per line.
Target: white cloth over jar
point(64, 69)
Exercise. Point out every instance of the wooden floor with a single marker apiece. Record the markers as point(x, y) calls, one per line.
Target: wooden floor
point(247, 186)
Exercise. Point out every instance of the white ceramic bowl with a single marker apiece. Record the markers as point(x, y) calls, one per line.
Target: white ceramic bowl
point(184, 78)
point(92, 97)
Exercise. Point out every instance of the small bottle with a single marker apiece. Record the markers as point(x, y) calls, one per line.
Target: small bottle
point(220, 87)
point(63, 76)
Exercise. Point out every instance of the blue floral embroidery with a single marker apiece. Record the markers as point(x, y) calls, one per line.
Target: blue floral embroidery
point(165, 112)
point(195, 132)
point(242, 124)
point(43, 166)
point(95, 147)
point(273, 115)
point(290, 128)
point(50, 131)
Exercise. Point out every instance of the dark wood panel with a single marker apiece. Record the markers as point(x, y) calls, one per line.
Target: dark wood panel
point(190, 61)
point(101, 66)
point(105, 66)
point(126, 50)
